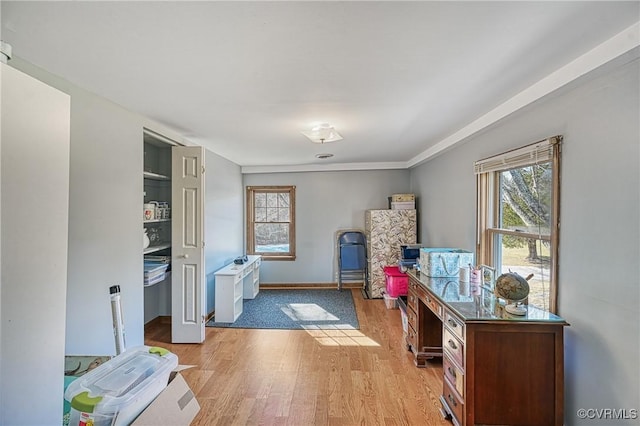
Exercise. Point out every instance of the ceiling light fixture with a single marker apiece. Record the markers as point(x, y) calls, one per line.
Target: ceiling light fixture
point(321, 133)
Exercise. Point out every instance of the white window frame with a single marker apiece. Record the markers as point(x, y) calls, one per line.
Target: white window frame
point(488, 203)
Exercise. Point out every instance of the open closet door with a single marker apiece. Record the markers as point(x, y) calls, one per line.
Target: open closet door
point(187, 264)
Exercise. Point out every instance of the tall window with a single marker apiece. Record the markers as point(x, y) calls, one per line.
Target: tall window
point(271, 230)
point(518, 211)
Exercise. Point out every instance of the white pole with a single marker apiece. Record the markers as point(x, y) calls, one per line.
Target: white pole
point(118, 321)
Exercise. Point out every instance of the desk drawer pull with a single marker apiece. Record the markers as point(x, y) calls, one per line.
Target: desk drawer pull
point(452, 323)
point(452, 400)
point(453, 344)
point(452, 372)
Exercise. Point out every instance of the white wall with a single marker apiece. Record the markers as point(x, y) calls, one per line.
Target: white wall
point(104, 224)
point(600, 226)
point(325, 203)
point(105, 201)
point(224, 220)
point(35, 217)
point(1, 303)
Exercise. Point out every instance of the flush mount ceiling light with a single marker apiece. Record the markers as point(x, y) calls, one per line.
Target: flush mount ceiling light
point(321, 133)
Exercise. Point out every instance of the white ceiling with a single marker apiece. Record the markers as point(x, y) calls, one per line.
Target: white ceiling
point(400, 81)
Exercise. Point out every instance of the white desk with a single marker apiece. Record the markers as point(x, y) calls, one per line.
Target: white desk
point(234, 283)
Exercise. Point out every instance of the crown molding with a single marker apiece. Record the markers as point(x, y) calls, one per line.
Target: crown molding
point(605, 52)
point(329, 167)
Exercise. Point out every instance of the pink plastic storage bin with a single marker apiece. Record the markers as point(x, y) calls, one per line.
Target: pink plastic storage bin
point(397, 282)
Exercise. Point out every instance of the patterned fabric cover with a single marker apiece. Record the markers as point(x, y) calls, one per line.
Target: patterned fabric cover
point(386, 231)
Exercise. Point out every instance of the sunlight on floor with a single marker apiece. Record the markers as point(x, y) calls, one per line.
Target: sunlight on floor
point(323, 328)
point(307, 312)
point(342, 335)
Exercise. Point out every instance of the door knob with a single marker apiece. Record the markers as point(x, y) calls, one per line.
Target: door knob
point(184, 256)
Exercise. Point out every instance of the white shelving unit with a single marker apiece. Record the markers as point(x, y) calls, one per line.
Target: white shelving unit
point(233, 284)
point(157, 187)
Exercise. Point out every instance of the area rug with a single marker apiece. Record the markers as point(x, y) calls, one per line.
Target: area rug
point(297, 309)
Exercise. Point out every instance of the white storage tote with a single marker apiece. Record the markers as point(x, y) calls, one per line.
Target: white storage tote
point(116, 392)
point(443, 262)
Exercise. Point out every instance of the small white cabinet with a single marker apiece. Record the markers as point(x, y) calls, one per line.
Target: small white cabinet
point(233, 283)
point(251, 283)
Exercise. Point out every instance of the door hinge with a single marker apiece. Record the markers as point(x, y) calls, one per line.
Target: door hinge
point(203, 244)
point(202, 169)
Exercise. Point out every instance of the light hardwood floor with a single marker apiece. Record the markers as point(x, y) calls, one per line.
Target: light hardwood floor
point(295, 377)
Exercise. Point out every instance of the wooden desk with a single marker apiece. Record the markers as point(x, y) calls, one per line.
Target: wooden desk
point(499, 369)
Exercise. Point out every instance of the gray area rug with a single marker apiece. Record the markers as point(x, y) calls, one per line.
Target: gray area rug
point(297, 309)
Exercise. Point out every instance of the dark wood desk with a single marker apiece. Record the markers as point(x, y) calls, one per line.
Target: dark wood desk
point(499, 369)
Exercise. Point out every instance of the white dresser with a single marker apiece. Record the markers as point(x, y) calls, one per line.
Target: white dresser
point(234, 283)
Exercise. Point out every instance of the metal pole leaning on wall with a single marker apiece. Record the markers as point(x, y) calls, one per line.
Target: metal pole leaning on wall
point(118, 320)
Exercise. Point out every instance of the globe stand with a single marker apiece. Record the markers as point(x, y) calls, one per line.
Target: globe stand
point(516, 309)
point(513, 289)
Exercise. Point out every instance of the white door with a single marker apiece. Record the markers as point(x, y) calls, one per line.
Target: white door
point(187, 259)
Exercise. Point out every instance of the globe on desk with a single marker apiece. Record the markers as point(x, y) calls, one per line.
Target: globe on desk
point(512, 287)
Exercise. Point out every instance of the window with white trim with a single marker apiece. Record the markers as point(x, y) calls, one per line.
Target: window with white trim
point(518, 205)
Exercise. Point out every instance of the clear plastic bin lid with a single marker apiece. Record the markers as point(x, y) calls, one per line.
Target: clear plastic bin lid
point(124, 377)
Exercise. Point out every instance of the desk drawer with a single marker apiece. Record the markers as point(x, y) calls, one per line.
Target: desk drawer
point(456, 406)
point(412, 338)
point(412, 299)
point(454, 324)
point(420, 292)
point(453, 346)
point(433, 304)
point(412, 318)
point(454, 374)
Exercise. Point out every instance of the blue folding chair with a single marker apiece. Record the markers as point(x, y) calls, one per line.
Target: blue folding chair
point(352, 257)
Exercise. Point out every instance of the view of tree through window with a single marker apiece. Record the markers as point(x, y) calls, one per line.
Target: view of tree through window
point(271, 221)
point(518, 205)
point(525, 206)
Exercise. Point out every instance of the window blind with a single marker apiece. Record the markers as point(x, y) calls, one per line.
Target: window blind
point(535, 153)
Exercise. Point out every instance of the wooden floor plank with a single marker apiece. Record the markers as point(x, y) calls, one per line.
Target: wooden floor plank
point(315, 377)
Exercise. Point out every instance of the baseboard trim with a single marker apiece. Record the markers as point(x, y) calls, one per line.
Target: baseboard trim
point(298, 286)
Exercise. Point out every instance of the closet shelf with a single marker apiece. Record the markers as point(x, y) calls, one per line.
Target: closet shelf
point(156, 221)
point(153, 249)
point(155, 176)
